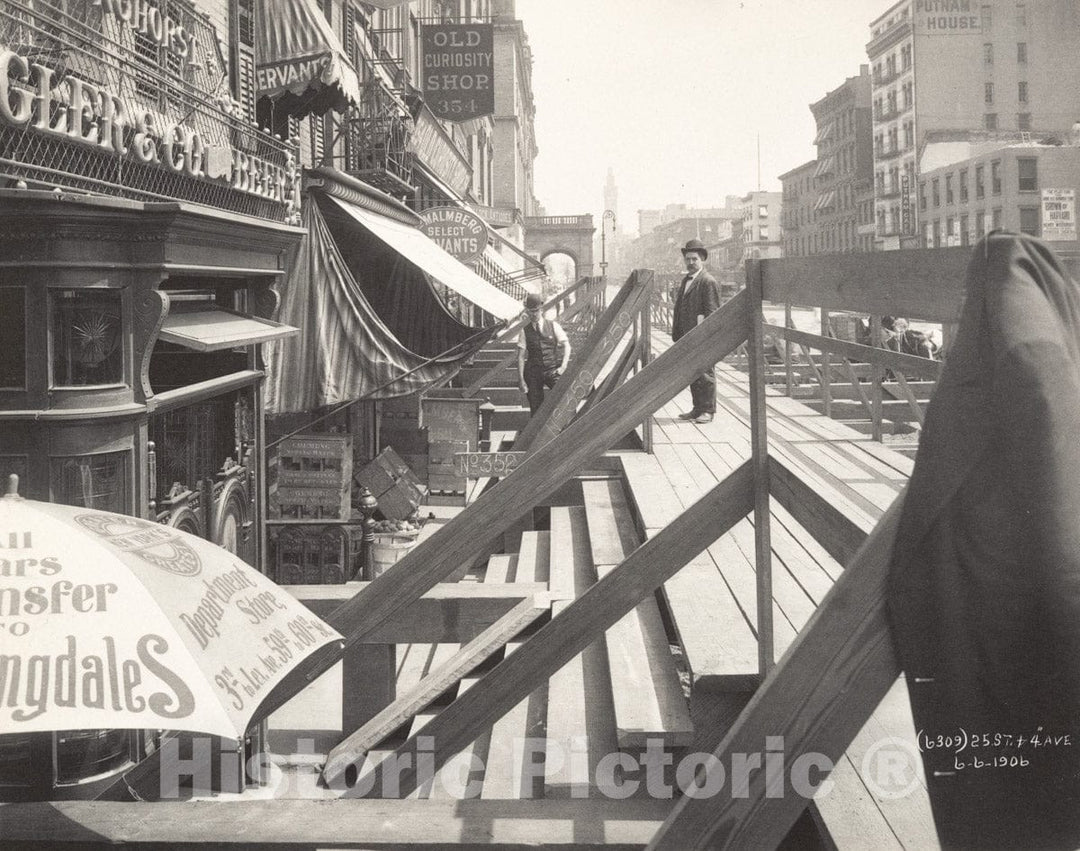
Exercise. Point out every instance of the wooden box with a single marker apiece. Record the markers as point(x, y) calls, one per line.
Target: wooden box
point(311, 477)
point(393, 484)
point(443, 476)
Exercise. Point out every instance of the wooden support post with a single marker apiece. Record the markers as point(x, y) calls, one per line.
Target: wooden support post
point(759, 441)
point(877, 373)
point(789, 375)
point(646, 356)
point(826, 367)
point(836, 673)
point(368, 676)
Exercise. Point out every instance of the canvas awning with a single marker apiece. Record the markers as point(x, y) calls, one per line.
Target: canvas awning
point(826, 201)
point(825, 166)
point(299, 61)
point(208, 328)
point(416, 247)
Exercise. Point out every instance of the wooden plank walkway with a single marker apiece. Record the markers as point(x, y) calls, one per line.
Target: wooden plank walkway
point(712, 600)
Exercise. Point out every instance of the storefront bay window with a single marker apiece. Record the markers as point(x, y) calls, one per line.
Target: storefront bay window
point(92, 481)
point(87, 343)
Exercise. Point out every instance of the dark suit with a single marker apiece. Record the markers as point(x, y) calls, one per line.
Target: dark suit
point(701, 296)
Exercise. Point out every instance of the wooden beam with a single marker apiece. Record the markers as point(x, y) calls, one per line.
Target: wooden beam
point(581, 623)
point(542, 473)
point(290, 824)
point(561, 402)
point(830, 527)
point(355, 746)
point(815, 701)
point(856, 351)
point(448, 613)
point(925, 284)
point(759, 446)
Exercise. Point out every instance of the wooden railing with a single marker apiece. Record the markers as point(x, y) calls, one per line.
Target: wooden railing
point(814, 701)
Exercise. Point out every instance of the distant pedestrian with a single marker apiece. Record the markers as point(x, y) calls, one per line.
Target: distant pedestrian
point(543, 352)
point(698, 296)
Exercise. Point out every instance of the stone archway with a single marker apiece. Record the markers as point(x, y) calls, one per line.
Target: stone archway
point(570, 235)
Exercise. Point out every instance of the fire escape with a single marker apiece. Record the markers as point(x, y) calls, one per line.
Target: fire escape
point(377, 129)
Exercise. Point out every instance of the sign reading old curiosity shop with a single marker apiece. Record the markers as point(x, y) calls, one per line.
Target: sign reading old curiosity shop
point(458, 70)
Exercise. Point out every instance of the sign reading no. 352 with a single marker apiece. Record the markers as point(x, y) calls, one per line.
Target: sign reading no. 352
point(480, 465)
point(458, 71)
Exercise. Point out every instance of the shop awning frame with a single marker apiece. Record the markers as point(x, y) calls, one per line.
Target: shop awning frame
point(298, 54)
point(206, 327)
point(416, 247)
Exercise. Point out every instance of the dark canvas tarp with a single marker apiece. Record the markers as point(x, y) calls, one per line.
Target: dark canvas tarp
point(345, 350)
point(984, 591)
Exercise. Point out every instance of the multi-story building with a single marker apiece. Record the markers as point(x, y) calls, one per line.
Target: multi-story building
point(1027, 188)
point(844, 165)
point(799, 195)
point(761, 225)
point(998, 66)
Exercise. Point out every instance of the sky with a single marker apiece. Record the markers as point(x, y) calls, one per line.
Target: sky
point(672, 95)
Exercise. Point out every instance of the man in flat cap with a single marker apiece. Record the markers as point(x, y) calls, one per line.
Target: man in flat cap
point(699, 295)
point(543, 352)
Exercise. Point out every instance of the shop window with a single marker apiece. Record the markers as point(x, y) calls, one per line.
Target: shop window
point(87, 339)
point(1028, 171)
point(92, 481)
point(1029, 220)
point(13, 349)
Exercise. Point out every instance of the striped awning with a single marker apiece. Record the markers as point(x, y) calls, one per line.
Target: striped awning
point(825, 166)
point(823, 133)
point(826, 201)
point(299, 61)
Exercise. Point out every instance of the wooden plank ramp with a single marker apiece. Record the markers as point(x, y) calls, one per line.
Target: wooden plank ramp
point(649, 702)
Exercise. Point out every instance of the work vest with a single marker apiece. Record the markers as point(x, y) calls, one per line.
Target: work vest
point(541, 350)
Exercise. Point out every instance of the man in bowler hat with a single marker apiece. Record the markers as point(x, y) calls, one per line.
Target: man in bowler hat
point(543, 352)
point(698, 296)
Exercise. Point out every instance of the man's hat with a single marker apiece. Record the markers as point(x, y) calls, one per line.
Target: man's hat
point(698, 246)
point(534, 301)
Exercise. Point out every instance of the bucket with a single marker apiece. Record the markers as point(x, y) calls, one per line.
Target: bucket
point(388, 549)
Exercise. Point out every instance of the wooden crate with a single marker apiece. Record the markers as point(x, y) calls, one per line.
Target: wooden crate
point(451, 419)
point(443, 476)
point(393, 484)
point(311, 477)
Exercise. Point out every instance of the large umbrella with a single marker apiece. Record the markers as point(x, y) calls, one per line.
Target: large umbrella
point(109, 621)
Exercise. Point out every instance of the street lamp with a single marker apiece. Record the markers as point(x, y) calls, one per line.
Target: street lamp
point(608, 214)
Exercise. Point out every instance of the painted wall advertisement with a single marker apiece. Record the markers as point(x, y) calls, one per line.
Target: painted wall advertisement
point(458, 70)
point(1059, 215)
point(947, 17)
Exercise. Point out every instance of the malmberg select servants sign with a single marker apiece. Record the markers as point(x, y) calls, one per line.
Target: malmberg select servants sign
point(458, 70)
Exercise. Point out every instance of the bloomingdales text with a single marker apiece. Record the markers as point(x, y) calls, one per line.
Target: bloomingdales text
point(78, 111)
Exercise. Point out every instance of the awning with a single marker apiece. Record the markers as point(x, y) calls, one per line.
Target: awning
point(299, 60)
point(209, 328)
point(412, 244)
point(824, 133)
point(826, 201)
point(825, 166)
